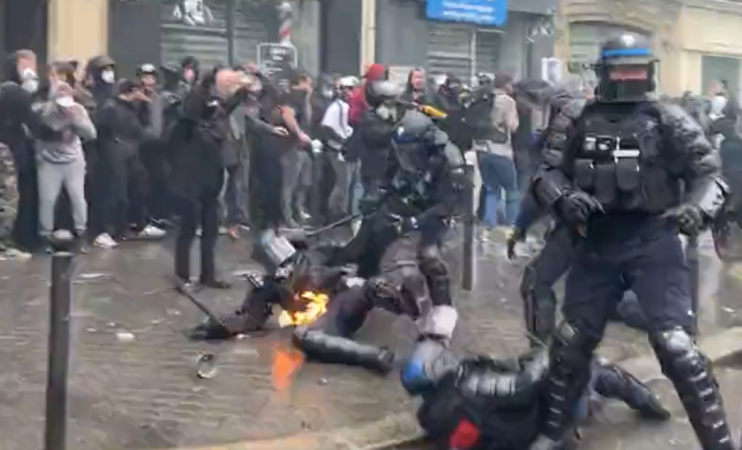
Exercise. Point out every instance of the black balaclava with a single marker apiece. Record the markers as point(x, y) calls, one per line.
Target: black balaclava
point(192, 63)
point(170, 77)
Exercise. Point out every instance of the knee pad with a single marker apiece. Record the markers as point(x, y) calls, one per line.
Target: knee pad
point(678, 354)
point(572, 348)
point(431, 261)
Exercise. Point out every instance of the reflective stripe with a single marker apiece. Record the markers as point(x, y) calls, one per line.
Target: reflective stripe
point(626, 52)
point(626, 153)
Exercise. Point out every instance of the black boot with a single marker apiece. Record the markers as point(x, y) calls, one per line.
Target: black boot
point(690, 372)
point(340, 350)
point(569, 376)
point(613, 382)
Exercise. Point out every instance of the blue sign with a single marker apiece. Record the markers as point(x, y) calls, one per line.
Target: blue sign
point(481, 12)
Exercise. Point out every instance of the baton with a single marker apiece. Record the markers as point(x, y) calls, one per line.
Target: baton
point(200, 305)
point(332, 225)
point(691, 258)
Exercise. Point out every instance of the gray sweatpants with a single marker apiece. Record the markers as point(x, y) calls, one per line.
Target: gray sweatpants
point(52, 178)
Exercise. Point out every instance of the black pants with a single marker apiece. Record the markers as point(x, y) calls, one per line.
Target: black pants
point(159, 198)
point(338, 200)
point(138, 194)
point(296, 176)
point(201, 210)
point(26, 225)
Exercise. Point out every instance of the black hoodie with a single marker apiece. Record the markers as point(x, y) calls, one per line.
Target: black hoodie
point(17, 119)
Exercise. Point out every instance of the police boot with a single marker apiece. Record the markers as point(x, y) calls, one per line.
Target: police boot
point(613, 382)
point(690, 372)
point(340, 350)
point(569, 360)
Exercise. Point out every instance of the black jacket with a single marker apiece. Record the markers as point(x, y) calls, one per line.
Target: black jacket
point(199, 138)
point(370, 144)
point(121, 131)
point(18, 122)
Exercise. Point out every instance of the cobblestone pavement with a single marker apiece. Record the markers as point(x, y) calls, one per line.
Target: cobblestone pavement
point(133, 383)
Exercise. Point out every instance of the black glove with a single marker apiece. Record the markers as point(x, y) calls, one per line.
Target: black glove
point(577, 207)
point(514, 236)
point(689, 218)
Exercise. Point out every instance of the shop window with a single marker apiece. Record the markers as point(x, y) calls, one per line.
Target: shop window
point(720, 73)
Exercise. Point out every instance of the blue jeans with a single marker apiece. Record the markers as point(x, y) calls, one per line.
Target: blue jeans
point(498, 176)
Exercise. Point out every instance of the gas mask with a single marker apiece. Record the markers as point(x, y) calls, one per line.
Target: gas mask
point(29, 81)
point(108, 76)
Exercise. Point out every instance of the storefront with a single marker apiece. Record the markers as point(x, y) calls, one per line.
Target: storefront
point(698, 42)
point(462, 37)
point(214, 31)
point(710, 56)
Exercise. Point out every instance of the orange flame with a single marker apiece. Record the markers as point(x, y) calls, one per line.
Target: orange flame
point(316, 305)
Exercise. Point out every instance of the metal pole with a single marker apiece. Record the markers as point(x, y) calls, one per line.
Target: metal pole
point(55, 435)
point(691, 258)
point(467, 272)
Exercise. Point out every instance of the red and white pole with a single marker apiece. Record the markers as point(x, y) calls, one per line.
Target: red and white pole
point(285, 15)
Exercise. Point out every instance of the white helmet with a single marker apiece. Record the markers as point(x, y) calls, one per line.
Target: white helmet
point(348, 82)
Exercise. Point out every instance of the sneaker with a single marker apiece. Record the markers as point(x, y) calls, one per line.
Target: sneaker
point(151, 231)
point(105, 241)
point(13, 254)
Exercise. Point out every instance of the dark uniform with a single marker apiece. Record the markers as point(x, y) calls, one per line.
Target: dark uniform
point(634, 172)
point(407, 221)
point(481, 403)
point(406, 216)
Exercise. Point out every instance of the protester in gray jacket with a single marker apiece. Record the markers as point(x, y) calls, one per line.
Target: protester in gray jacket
point(59, 153)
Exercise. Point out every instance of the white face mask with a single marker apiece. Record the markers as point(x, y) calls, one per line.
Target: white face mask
point(29, 81)
point(30, 85)
point(108, 76)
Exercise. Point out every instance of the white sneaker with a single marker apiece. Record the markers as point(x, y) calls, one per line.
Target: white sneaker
point(105, 241)
point(151, 231)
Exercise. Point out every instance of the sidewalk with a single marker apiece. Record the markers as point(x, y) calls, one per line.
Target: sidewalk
point(133, 383)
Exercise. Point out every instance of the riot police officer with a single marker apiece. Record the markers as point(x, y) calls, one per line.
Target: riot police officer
point(633, 174)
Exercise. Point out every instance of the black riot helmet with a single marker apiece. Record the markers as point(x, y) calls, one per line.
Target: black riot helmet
point(625, 69)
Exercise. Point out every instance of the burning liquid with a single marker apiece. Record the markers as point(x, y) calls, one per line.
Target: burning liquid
point(315, 304)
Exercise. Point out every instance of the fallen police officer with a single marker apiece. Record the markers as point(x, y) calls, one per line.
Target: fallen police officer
point(481, 403)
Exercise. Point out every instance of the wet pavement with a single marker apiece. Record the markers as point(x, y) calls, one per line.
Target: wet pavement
point(133, 382)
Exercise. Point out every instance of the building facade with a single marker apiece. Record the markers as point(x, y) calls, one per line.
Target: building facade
point(463, 37)
point(698, 42)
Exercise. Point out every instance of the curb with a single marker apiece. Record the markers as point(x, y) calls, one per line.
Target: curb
point(402, 428)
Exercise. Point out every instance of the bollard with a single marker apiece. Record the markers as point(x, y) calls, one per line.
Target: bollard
point(691, 258)
point(55, 435)
point(467, 272)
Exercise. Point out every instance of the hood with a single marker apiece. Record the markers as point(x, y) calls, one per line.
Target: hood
point(534, 91)
point(375, 72)
point(96, 65)
point(10, 69)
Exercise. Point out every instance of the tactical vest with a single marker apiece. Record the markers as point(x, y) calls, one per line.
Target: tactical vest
point(621, 162)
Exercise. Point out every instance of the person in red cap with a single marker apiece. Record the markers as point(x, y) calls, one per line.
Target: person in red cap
point(357, 98)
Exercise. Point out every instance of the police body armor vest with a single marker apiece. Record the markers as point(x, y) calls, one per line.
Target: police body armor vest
point(620, 159)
